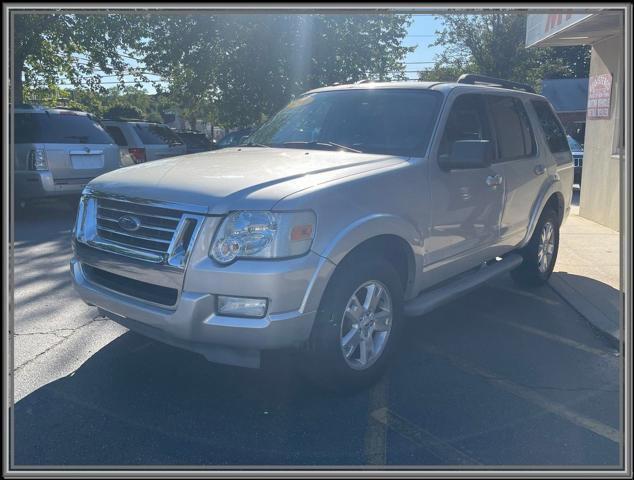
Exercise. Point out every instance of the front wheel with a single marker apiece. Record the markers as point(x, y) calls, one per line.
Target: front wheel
point(540, 254)
point(357, 325)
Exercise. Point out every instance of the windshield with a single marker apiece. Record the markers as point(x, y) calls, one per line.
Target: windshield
point(59, 128)
point(153, 134)
point(574, 145)
point(387, 121)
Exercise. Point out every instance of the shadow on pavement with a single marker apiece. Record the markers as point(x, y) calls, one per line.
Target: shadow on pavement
point(140, 402)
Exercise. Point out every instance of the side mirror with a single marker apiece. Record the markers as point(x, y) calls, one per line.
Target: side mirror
point(467, 154)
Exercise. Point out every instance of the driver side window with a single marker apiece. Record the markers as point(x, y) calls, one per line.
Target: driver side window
point(467, 121)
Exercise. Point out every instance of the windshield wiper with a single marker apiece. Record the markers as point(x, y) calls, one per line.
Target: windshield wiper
point(332, 145)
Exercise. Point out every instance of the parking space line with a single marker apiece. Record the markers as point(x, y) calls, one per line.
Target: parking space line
point(375, 447)
point(423, 438)
point(556, 338)
point(531, 396)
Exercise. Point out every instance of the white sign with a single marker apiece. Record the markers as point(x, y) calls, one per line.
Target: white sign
point(541, 26)
point(599, 92)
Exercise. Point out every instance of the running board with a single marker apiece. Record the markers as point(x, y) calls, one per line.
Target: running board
point(430, 299)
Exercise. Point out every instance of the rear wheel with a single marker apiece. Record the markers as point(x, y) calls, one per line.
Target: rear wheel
point(540, 254)
point(357, 325)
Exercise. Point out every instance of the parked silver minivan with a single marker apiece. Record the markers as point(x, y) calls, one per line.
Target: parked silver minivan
point(58, 151)
point(145, 141)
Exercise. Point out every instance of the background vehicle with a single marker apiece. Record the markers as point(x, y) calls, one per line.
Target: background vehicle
point(577, 156)
point(195, 142)
point(145, 141)
point(353, 206)
point(58, 151)
point(234, 138)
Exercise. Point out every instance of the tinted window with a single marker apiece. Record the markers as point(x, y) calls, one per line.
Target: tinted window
point(195, 139)
point(117, 135)
point(553, 131)
point(153, 134)
point(58, 128)
point(467, 121)
point(389, 121)
point(512, 127)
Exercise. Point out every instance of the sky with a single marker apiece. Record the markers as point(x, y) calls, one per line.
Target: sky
point(421, 32)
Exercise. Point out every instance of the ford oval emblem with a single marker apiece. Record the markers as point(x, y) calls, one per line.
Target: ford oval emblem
point(129, 223)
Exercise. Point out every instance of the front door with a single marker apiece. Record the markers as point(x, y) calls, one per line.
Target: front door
point(466, 204)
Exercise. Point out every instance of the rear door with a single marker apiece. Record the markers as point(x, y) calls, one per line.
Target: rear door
point(159, 141)
point(77, 147)
point(518, 161)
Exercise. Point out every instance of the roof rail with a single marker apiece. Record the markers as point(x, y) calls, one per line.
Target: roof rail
point(473, 79)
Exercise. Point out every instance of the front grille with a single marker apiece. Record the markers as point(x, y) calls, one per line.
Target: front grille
point(134, 288)
point(156, 225)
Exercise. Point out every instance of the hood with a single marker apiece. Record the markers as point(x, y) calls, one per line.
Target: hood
point(237, 178)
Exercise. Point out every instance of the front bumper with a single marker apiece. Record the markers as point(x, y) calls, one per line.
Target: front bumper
point(293, 287)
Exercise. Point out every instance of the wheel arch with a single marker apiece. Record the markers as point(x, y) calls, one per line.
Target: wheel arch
point(550, 197)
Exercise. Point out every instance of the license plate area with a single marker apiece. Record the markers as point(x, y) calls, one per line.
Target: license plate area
point(86, 161)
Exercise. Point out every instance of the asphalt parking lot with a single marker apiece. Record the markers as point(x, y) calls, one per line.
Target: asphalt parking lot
point(501, 377)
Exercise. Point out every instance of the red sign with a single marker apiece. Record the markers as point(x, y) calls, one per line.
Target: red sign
point(599, 92)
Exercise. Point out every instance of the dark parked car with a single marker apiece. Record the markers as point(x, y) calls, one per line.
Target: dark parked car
point(234, 138)
point(195, 142)
point(577, 155)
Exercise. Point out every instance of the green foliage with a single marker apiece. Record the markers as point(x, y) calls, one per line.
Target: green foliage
point(494, 44)
point(79, 48)
point(129, 112)
point(237, 69)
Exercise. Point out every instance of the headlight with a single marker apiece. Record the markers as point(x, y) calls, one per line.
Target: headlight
point(262, 234)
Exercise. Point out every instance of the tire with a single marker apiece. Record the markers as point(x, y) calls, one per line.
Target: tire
point(323, 359)
point(533, 271)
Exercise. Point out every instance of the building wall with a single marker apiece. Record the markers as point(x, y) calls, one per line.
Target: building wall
point(600, 182)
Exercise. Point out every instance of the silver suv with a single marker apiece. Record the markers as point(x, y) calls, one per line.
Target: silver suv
point(350, 208)
point(58, 151)
point(145, 141)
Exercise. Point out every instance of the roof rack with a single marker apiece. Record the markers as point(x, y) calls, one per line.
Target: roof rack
point(472, 79)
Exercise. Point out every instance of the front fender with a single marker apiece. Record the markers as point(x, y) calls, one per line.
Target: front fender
point(353, 235)
point(371, 226)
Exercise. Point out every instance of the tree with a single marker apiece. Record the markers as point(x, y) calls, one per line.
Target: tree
point(238, 69)
point(494, 44)
point(79, 48)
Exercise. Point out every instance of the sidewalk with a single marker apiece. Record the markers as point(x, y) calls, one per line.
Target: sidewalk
point(587, 272)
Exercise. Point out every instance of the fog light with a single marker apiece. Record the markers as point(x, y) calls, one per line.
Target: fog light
point(242, 306)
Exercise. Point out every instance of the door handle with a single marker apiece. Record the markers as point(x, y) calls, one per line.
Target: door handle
point(494, 180)
point(539, 169)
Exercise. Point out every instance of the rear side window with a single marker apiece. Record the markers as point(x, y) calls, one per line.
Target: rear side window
point(553, 131)
point(513, 129)
point(117, 135)
point(58, 128)
point(152, 134)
